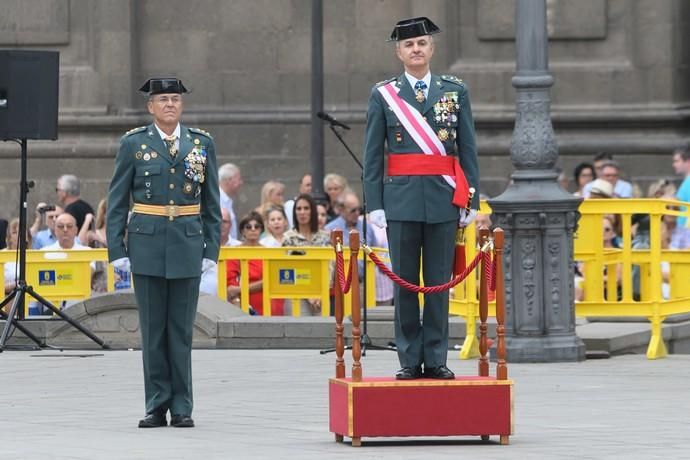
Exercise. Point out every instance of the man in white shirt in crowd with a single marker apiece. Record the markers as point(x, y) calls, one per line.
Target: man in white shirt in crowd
point(609, 170)
point(229, 182)
point(66, 234)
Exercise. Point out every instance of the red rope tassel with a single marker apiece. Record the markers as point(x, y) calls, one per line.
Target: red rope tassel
point(460, 262)
point(340, 272)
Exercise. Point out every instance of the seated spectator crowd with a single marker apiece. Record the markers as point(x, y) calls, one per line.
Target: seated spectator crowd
point(300, 221)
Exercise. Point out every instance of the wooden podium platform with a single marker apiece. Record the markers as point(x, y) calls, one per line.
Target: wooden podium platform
point(383, 406)
point(479, 405)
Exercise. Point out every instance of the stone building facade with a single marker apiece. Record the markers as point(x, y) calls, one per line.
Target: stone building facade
point(621, 67)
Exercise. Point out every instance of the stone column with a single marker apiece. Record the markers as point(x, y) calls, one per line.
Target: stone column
point(538, 216)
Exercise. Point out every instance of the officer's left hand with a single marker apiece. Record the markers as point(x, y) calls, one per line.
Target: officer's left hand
point(207, 264)
point(466, 217)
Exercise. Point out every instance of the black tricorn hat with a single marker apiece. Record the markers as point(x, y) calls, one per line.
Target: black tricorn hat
point(411, 28)
point(163, 85)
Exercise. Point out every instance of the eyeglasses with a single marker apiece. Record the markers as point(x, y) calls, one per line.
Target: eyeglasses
point(65, 226)
point(253, 227)
point(165, 100)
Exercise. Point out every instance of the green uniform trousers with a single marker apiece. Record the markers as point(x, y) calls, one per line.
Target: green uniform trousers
point(426, 342)
point(167, 308)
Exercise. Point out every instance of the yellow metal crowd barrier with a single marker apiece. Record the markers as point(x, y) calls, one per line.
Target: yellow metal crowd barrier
point(60, 275)
point(618, 299)
point(589, 250)
point(290, 273)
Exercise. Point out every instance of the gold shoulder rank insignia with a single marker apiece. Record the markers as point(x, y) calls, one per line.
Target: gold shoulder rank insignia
point(135, 130)
point(383, 82)
point(201, 131)
point(452, 79)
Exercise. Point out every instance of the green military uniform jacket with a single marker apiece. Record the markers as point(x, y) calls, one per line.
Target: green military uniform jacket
point(419, 198)
point(146, 172)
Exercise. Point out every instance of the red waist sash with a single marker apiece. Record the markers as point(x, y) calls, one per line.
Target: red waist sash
point(419, 164)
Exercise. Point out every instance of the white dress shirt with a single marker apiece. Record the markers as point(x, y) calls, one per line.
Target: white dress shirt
point(176, 133)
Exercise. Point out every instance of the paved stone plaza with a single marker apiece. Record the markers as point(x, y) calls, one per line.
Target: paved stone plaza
point(273, 404)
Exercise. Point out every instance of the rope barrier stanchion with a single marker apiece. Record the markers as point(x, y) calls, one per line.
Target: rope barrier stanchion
point(484, 305)
point(356, 308)
point(501, 368)
point(337, 242)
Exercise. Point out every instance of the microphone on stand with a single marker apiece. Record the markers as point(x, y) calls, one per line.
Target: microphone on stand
point(326, 117)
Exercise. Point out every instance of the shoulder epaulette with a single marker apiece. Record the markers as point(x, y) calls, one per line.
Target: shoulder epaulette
point(383, 82)
point(201, 131)
point(452, 79)
point(135, 130)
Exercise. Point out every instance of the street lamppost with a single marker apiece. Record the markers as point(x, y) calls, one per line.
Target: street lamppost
point(537, 215)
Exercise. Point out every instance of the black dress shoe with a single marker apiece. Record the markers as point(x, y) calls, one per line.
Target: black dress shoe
point(440, 372)
point(182, 421)
point(153, 420)
point(409, 373)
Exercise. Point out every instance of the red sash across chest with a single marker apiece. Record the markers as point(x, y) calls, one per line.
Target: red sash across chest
point(432, 160)
point(419, 164)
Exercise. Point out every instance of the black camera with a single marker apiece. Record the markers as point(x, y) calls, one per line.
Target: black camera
point(46, 208)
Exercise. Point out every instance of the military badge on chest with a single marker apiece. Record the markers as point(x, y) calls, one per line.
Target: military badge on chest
point(195, 169)
point(146, 156)
point(446, 112)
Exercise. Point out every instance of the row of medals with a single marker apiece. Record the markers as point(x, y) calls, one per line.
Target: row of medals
point(199, 175)
point(446, 112)
point(195, 162)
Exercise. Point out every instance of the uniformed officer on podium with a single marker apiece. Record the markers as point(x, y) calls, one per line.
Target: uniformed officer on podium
point(423, 122)
point(170, 173)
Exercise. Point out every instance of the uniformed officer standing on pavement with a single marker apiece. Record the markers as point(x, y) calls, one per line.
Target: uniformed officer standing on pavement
point(170, 172)
point(424, 122)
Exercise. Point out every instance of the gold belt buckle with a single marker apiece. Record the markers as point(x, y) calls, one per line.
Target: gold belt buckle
point(172, 210)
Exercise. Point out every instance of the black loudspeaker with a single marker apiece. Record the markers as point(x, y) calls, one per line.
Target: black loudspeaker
point(29, 94)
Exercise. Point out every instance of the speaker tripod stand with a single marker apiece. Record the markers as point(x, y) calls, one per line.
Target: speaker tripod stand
point(365, 340)
point(20, 292)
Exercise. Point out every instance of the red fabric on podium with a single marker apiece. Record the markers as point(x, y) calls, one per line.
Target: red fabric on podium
point(387, 407)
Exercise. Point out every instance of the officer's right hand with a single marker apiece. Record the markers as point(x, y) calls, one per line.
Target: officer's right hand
point(378, 218)
point(122, 263)
point(466, 217)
